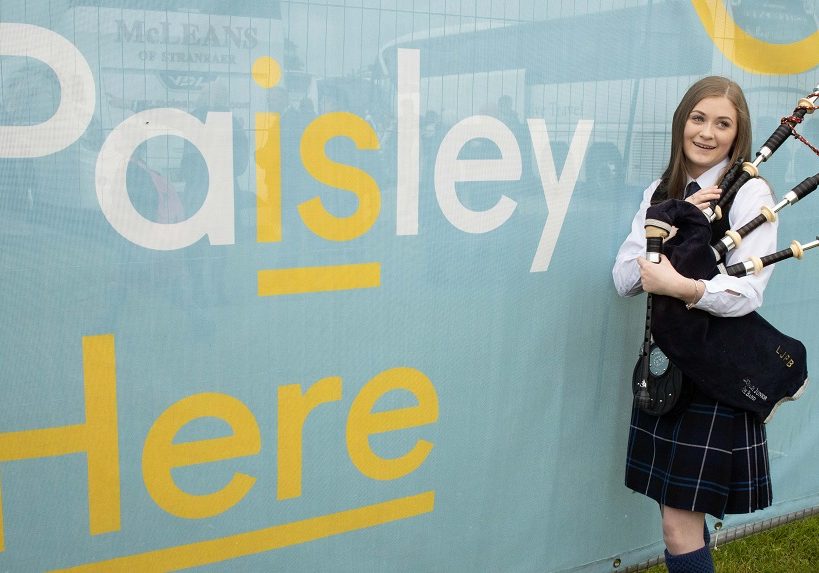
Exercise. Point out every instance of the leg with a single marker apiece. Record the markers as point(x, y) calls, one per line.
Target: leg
point(683, 530)
point(687, 549)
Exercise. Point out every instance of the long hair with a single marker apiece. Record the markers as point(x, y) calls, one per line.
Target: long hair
point(675, 175)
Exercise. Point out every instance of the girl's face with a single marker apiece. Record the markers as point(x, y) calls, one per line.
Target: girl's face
point(709, 134)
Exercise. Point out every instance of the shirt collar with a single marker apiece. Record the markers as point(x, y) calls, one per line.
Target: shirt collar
point(709, 177)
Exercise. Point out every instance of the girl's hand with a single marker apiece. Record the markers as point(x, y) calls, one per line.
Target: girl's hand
point(702, 198)
point(661, 278)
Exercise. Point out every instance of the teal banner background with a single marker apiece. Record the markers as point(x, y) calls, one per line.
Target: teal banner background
point(493, 278)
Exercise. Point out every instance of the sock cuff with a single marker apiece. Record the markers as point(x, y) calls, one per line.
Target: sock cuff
point(698, 561)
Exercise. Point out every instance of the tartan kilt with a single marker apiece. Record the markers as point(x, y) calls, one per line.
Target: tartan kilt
point(707, 457)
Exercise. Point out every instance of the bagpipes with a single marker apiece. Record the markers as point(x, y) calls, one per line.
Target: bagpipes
point(744, 362)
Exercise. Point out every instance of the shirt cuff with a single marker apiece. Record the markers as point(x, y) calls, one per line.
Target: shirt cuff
point(728, 297)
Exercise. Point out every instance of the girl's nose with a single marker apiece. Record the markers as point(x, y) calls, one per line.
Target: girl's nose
point(707, 130)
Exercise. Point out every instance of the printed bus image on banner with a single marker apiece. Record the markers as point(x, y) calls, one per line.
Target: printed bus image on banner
point(326, 286)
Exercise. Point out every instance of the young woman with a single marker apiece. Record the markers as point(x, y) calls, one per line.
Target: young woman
point(704, 457)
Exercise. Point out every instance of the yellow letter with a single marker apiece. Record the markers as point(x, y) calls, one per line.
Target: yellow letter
point(160, 455)
point(323, 169)
point(362, 422)
point(293, 410)
point(268, 178)
point(751, 53)
point(97, 437)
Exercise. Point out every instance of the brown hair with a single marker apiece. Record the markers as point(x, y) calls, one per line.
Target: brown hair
point(675, 175)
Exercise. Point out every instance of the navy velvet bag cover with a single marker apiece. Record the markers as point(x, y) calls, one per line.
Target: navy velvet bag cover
point(744, 361)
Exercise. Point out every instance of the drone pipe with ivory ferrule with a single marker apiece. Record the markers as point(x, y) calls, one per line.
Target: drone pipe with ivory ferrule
point(756, 264)
point(733, 238)
point(750, 170)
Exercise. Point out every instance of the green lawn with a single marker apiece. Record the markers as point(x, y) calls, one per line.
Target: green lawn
point(790, 548)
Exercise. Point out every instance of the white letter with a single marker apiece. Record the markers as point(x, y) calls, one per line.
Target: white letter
point(213, 139)
point(77, 100)
point(559, 190)
point(450, 170)
point(409, 105)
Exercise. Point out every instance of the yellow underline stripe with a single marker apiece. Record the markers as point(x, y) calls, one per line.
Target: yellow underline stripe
point(274, 282)
point(276, 537)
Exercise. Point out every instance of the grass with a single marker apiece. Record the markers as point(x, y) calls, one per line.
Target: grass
point(791, 548)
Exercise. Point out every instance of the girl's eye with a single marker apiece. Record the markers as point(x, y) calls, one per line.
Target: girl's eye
point(697, 118)
point(724, 124)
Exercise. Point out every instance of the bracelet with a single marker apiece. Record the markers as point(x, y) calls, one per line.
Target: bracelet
point(697, 296)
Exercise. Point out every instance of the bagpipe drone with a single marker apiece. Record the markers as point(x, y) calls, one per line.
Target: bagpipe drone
point(744, 362)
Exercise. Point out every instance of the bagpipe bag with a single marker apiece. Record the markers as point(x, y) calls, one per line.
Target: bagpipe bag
point(744, 361)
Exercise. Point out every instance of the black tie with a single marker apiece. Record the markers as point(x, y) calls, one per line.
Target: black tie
point(691, 188)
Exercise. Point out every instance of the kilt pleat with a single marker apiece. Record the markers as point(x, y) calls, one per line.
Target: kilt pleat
point(708, 457)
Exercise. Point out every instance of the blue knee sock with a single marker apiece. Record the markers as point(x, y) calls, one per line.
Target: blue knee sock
point(698, 561)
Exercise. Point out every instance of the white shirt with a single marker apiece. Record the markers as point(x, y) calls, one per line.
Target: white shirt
point(724, 295)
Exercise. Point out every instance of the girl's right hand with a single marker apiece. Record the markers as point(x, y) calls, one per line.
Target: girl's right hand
point(702, 198)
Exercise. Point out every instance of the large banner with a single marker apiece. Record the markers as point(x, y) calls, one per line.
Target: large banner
point(326, 285)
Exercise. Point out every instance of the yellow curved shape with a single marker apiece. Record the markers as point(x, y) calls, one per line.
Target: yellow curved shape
point(753, 54)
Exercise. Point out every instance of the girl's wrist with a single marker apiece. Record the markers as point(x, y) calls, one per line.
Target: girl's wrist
point(692, 292)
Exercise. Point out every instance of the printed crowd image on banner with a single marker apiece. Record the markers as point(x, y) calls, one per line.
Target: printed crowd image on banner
point(325, 285)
